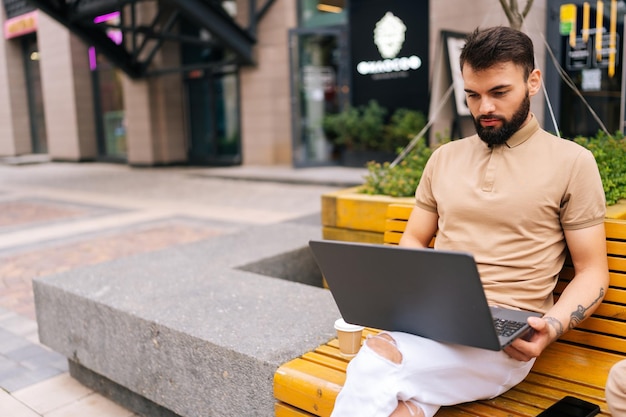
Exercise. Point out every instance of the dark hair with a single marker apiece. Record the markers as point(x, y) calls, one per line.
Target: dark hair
point(487, 47)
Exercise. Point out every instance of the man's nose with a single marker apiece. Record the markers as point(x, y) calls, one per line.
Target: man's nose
point(486, 106)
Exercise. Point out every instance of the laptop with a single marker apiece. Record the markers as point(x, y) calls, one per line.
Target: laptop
point(436, 294)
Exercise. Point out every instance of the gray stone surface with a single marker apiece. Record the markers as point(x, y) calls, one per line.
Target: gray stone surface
point(185, 327)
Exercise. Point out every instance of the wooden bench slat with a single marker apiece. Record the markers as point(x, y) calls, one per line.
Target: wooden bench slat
point(575, 364)
point(618, 280)
point(285, 410)
point(617, 264)
point(613, 328)
point(559, 387)
point(395, 225)
point(329, 361)
point(500, 408)
point(615, 229)
point(392, 237)
point(399, 211)
point(308, 386)
point(453, 411)
point(615, 296)
point(595, 340)
point(615, 247)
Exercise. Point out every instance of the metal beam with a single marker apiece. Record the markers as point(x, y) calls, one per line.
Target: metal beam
point(221, 26)
point(91, 36)
point(133, 56)
point(264, 10)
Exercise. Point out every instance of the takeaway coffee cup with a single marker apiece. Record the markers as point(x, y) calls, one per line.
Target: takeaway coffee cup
point(349, 336)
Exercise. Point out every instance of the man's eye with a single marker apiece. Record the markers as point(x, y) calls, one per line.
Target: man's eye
point(499, 93)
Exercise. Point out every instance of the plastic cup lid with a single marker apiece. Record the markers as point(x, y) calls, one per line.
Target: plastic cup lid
point(340, 324)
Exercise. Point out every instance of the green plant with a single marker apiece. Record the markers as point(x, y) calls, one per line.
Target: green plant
point(402, 179)
point(610, 154)
point(356, 128)
point(366, 128)
point(402, 128)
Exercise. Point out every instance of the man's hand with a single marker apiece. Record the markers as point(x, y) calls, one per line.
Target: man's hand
point(525, 350)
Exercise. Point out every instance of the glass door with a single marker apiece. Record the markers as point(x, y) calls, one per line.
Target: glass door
point(35, 97)
point(213, 117)
point(319, 86)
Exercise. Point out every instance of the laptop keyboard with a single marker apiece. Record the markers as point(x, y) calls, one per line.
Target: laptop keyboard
point(507, 327)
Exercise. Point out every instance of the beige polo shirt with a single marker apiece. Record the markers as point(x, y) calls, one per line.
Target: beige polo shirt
point(508, 206)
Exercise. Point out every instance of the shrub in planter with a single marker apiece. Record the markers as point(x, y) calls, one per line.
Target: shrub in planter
point(366, 128)
point(402, 128)
point(356, 128)
point(610, 154)
point(401, 180)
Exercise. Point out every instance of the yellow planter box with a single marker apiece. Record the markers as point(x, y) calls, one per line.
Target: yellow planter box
point(351, 216)
point(617, 211)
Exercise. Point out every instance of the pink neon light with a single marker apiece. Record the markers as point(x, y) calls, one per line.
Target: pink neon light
point(106, 17)
point(93, 63)
point(116, 36)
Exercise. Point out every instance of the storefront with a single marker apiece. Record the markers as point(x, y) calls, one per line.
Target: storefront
point(585, 80)
point(153, 86)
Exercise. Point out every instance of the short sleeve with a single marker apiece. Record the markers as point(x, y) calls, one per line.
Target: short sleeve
point(583, 203)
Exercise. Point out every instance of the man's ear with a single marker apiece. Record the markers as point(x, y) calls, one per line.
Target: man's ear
point(534, 82)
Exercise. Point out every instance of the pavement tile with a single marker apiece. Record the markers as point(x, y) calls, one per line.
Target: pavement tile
point(11, 407)
point(22, 377)
point(18, 270)
point(10, 342)
point(93, 405)
point(18, 325)
point(21, 212)
point(8, 368)
point(32, 354)
point(52, 394)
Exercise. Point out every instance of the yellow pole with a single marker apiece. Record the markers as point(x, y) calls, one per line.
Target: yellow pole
point(585, 21)
point(567, 25)
point(612, 31)
point(599, 28)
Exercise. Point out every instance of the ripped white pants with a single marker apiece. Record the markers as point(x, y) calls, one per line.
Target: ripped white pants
point(430, 375)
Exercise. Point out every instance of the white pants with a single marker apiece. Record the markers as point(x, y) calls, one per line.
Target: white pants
point(430, 375)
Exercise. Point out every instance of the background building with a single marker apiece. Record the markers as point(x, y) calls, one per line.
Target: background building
point(244, 81)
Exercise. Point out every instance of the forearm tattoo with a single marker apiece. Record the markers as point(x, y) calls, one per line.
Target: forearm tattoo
point(576, 317)
point(555, 324)
point(580, 313)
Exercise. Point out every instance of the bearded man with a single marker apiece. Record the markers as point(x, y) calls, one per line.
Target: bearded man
point(514, 196)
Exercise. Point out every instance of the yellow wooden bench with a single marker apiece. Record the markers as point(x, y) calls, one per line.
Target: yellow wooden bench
point(577, 364)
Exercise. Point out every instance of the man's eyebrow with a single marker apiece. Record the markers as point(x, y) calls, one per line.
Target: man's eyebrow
point(496, 88)
point(500, 87)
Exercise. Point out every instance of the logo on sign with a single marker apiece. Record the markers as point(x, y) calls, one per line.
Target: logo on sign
point(389, 37)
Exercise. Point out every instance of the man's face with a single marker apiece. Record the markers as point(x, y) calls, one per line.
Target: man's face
point(498, 99)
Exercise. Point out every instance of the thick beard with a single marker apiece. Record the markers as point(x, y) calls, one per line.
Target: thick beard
point(497, 136)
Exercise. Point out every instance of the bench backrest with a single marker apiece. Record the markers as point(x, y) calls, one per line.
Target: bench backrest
point(606, 328)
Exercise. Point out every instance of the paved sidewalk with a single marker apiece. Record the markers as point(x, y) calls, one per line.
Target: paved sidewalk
point(56, 217)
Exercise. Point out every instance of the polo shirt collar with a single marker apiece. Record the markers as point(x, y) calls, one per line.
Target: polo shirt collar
point(524, 133)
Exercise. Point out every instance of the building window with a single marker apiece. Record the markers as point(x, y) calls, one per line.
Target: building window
point(318, 13)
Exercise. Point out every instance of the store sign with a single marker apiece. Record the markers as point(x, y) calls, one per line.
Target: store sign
point(20, 25)
point(389, 38)
point(389, 47)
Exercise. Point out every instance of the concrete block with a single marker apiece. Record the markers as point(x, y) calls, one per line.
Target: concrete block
point(185, 327)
